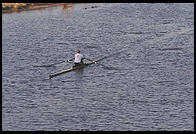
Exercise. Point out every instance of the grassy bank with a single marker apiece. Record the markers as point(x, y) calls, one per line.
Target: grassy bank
point(16, 7)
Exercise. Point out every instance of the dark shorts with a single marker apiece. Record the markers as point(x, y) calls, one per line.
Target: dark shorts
point(77, 64)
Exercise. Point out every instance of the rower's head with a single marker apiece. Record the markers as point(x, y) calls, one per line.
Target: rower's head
point(78, 51)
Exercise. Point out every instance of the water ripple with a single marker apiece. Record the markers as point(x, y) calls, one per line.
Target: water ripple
point(148, 86)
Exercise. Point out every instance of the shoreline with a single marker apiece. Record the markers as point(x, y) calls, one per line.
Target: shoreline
point(27, 7)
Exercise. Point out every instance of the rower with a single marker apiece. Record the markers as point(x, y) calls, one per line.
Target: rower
point(79, 58)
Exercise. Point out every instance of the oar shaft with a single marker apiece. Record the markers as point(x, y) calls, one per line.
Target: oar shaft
point(52, 64)
point(96, 62)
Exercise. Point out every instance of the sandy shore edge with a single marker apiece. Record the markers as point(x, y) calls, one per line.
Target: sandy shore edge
point(8, 8)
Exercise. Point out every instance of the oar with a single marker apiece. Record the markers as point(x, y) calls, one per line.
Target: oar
point(98, 63)
point(53, 63)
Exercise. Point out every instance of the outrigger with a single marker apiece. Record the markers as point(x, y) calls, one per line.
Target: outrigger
point(75, 68)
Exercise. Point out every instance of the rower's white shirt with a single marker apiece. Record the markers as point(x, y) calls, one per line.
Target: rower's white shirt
point(78, 58)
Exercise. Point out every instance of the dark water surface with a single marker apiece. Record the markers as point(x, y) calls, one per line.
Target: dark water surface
point(149, 87)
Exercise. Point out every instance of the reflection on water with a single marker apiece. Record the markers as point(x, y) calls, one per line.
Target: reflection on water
point(78, 76)
point(66, 8)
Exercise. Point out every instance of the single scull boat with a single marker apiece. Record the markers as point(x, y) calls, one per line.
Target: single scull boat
point(75, 68)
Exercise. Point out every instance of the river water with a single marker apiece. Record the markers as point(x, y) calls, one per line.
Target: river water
point(150, 83)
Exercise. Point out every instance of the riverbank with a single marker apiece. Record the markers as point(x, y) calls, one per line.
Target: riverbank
point(18, 7)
